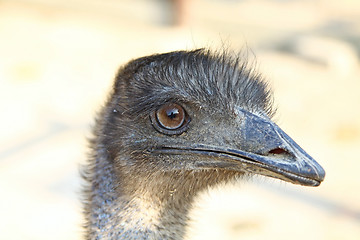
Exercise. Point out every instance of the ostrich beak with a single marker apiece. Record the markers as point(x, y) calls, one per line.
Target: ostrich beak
point(270, 151)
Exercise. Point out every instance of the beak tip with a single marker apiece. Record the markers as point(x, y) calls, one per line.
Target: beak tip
point(316, 172)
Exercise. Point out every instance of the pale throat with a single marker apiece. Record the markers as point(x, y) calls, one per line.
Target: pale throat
point(154, 213)
point(140, 211)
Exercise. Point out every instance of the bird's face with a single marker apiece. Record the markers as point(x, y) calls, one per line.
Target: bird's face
point(178, 120)
point(233, 140)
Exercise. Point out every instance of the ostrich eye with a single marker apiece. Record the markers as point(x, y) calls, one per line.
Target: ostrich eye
point(170, 119)
point(171, 116)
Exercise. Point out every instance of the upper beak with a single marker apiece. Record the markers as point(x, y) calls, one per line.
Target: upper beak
point(276, 154)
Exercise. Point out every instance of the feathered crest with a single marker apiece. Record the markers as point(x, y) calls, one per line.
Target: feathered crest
point(222, 79)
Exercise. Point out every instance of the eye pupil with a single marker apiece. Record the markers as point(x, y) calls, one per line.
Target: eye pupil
point(173, 113)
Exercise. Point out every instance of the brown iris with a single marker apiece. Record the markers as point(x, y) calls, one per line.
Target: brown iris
point(170, 119)
point(171, 116)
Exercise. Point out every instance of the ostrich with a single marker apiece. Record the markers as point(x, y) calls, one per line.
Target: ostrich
point(176, 124)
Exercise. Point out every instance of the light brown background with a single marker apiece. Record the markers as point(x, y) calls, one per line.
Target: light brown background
point(57, 62)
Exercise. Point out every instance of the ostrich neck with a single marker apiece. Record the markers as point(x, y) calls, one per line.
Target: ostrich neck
point(136, 208)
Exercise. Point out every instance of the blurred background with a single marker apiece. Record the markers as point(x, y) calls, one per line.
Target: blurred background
point(58, 59)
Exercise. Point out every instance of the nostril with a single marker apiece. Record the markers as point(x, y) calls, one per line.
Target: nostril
point(278, 151)
point(282, 154)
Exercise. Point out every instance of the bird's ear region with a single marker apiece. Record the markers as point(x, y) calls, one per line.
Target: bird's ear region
point(170, 119)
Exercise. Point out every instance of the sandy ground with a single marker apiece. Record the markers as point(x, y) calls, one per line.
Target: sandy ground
point(58, 59)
